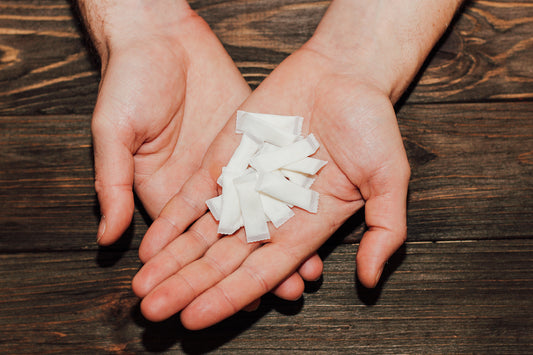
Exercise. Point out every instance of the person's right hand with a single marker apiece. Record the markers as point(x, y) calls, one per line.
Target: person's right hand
point(167, 89)
point(345, 81)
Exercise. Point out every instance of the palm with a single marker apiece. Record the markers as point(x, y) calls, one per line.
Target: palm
point(154, 116)
point(161, 104)
point(355, 125)
point(354, 122)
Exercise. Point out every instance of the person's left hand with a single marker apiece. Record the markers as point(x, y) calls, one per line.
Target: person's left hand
point(210, 277)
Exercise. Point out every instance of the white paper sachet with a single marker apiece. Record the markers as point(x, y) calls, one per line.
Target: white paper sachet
point(230, 215)
point(277, 211)
point(265, 148)
point(309, 166)
point(245, 151)
point(303, 180)
point(280, 175)
point(236, 173)
point(255, 224)
point(215, 206)
point(292, 153)
point(271, 145)
point(291, 124)
point(263, 131)
point(286, 191)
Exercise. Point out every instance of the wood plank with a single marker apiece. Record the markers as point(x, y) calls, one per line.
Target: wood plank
point(484, 56)
point(471, 170)
point(467, 65)
point(46, 185)
point(471, 177)
point(45, 67)
point(453, 297)
point(462, 284)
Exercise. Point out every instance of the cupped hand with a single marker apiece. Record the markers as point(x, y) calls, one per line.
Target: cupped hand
point(167, 89)
point(162, 99)
point(208, 277)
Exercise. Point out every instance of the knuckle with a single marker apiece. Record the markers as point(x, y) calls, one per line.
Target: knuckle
point(99, 186)
point(258, 278)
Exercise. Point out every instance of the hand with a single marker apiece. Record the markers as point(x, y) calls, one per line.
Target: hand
point(210, 277)
point(168, 87)
point(344, 81)
point(165, 78)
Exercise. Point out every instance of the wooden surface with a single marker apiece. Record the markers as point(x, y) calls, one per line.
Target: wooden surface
point(461, 284)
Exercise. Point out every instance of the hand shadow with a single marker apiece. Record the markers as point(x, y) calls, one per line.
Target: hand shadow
point(370, 296)
point(109, 255)
point(162, 336)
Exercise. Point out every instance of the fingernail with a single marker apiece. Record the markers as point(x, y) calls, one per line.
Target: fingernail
point(252, 307)
point(101, 229)
point(318, 278)
point(378, 275)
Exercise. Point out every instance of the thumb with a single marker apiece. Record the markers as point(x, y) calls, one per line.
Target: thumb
point(114, 169)
point(385, 215)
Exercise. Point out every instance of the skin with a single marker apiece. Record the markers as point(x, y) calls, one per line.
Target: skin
point(344, 81)
point(167, 89)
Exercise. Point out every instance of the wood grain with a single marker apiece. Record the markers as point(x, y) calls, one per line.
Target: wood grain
point(467, 64)
point(441, 298)
point(462, 283)
point(471, 177)
point(46, 184)
point(45, 67)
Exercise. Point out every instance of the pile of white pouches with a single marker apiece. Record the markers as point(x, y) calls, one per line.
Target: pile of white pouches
point(270, 172)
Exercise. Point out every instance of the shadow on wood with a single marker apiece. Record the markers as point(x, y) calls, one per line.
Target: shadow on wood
point(110, 255)
point(162, 336)
point(370, 296)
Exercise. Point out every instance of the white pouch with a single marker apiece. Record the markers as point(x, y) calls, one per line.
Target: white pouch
point(292, 153)
point(253, 216)
point(309, 166)
point(263, 131)
point(289, 192)
point(230, 215)
point(277, 211)
point(291, 124)
point(240, 159)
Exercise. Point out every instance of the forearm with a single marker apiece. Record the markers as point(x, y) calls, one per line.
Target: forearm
point(122, 21)
point(387, 40)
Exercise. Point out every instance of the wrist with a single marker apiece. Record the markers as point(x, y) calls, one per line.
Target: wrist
point(385, 42)
point(115, 24)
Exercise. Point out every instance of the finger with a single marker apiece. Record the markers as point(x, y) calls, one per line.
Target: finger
point(114, 167)
point(181, 211)
point(261, 272)
point(266, 267)
point(312, 268)
point(385, 215)
point(177, 291)
point(180, 252)
point(291, 288)
point(252, 306)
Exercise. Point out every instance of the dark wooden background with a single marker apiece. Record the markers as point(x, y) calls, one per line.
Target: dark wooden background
point(461, 284)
